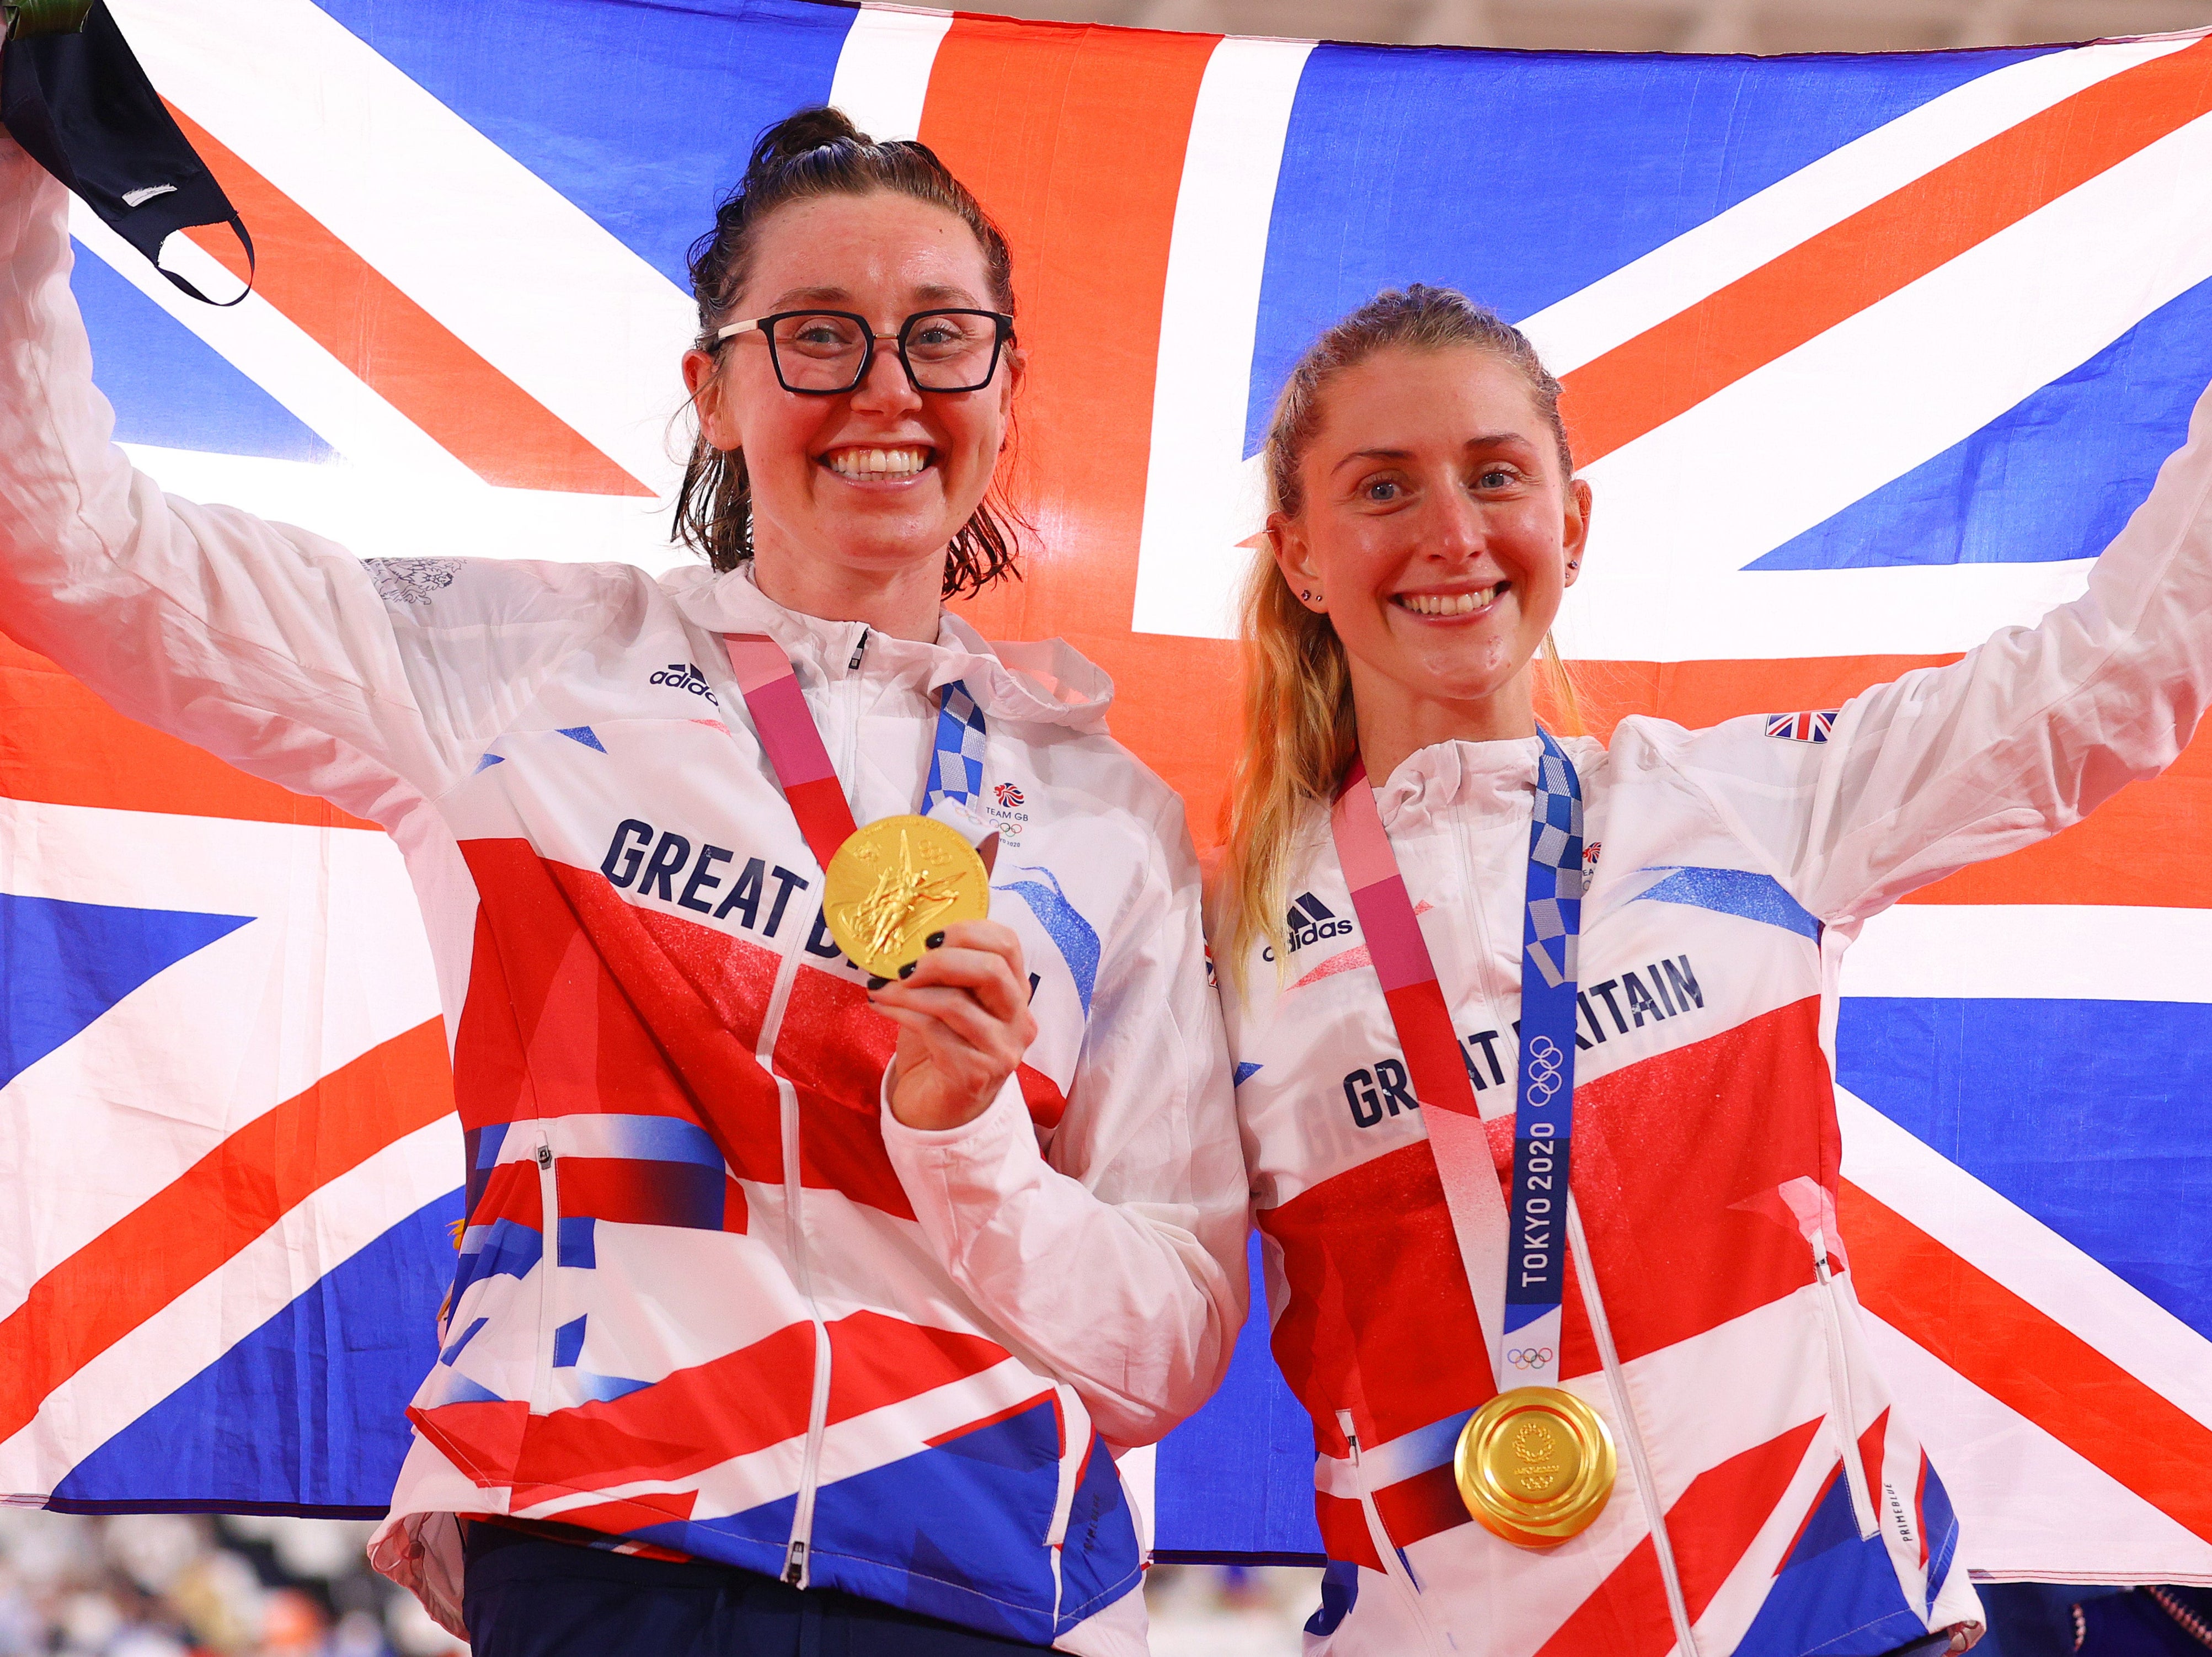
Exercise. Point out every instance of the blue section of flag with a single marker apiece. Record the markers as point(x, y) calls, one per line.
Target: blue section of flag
point(1238, 1475)
point(63, 964)
point(1523, 177)
point(2094, 1122)
point(641, 115)
point(2055, 476)
point(1835, 1594)
point(1733, 892)
point(305, 1404)
point(170, 388)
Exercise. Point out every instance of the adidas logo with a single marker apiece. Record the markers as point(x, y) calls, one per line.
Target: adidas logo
point(1309, 922)
point(684, 677)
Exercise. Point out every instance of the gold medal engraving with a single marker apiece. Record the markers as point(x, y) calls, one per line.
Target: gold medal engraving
point(895, 882)
point(1535, 1466)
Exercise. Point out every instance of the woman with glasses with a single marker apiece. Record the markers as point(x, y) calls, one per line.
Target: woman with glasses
point(1477, 966)
point(799, 1300)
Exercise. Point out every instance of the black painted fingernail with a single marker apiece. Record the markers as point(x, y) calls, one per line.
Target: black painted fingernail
point(932, 940)
point(876, 984)
point(906, 970)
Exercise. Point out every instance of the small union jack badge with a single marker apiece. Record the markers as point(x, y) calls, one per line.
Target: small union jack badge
point(1802, 727)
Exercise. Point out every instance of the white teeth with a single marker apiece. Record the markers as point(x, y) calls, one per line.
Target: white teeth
point(1447, 604)
point(878, 462)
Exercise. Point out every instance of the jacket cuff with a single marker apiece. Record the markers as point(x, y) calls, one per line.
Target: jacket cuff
point(1006, 1117)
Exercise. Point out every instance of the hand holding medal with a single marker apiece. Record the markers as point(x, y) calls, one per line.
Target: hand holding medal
point(964, 1022)
point(907, 898)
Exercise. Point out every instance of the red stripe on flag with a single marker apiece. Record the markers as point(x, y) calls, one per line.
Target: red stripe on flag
point(410, 358)
point(1074, 138)
point(62, 746)
point(2028, 1361)
point(1646, 382)
point(205, 1217)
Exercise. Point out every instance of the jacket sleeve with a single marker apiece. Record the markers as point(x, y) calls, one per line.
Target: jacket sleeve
point(262, 644)
point(2021, 737)
point(1117, 1257)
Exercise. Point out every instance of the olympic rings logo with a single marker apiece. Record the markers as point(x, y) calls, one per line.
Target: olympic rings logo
point(1529, 1357)
point(1543, 1062)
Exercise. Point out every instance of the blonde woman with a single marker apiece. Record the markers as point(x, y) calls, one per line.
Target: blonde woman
point(1471, 964)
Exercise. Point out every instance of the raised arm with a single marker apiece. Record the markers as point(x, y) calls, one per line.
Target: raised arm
point(260, 642)
point(2020, 738)
point(1118, 1257)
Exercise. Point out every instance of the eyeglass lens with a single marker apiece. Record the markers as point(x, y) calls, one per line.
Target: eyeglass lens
point(946, 351)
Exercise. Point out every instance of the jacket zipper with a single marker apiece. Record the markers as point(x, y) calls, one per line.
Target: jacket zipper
point(1662, 1544)
point(1839, 1388)
point(797, 1563)
point(549, 1216)
point(1393, 1566)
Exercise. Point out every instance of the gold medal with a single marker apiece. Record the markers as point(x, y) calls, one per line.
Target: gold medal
point(895, 882)
point(1535, 1466)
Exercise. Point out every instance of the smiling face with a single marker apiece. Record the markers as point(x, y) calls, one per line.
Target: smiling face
point(1438, 532)
point(863, 491)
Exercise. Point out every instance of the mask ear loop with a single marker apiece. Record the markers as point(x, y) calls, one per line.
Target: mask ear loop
point(238, 226)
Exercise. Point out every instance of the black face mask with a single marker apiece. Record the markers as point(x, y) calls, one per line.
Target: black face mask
point(84, 109)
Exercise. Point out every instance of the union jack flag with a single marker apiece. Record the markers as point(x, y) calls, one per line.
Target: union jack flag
point(1802, 727)
point(1864, 358)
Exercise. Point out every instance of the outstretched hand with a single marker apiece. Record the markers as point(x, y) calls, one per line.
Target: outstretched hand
point(964, 1022)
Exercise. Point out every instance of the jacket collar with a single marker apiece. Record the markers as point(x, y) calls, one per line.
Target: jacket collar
point(1482, 782)
point(1044, 682)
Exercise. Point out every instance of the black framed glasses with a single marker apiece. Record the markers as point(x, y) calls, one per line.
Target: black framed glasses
point(828, 353)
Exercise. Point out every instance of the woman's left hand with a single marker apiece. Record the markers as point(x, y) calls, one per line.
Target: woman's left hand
point(964, 1022)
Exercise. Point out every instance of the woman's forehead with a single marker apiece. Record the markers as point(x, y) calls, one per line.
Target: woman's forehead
point(844, 253)
point(1422, 400)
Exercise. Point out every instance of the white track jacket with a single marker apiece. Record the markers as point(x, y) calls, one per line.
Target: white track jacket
point(711, 1297)
point(1770, 1500)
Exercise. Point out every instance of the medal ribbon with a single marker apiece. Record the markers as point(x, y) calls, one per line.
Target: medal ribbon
point(1522, 1249)
point(795, 753)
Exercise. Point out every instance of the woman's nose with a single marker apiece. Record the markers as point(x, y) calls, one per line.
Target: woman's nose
point(1455, 528)
point(886, 386)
